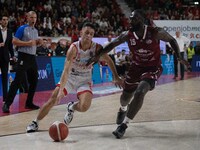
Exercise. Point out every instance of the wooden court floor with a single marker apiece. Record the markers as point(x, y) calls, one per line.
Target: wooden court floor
point(170, 114)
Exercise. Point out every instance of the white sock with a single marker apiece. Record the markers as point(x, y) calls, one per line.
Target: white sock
point(123, 108)
point(37, 121)
point(126, 120)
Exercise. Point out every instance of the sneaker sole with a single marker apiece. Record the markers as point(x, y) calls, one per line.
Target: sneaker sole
point(31, 131)
point(116, 135)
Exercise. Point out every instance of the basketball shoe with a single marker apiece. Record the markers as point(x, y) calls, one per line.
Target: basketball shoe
point(69, 114)
point(120, 116)
point(32, 127)
point(119, 132)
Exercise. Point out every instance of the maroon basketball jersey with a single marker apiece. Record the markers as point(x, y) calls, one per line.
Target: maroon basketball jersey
point(145, 51)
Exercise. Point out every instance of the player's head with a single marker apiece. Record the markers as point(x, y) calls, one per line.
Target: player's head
point(137, 19)
point(87, 31)
point(31, 18)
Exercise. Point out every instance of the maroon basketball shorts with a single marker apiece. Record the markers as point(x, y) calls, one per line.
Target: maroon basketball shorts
point(138, 73)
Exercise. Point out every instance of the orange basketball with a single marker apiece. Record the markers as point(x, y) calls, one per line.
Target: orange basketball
point(58, 131)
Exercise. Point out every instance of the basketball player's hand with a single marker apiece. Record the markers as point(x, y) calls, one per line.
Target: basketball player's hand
point(60, 95)
point(119, 82)
point(184, 62)
point(93, 60)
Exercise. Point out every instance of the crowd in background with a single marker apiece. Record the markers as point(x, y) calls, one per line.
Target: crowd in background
point(64, 17)
point(168, 9)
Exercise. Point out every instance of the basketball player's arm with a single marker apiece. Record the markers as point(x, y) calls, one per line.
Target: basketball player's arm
point(120, 39)
point(116, 79)
point(165, 36)
point(71, 53)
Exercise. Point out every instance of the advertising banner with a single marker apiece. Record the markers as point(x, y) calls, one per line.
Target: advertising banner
point(196, 63)
point(45, 74)
point(96, 75)
point(167, 64)
point(57, 64)
point(106, 74)
point(188, 28)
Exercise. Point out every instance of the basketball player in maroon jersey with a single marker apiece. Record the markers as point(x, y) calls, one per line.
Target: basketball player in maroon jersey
point(145, 68)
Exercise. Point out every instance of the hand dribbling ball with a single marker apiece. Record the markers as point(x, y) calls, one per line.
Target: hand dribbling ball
point(58, 131)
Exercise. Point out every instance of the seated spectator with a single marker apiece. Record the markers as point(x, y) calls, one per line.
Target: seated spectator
point(119, 64)
point(62, 48)
point(52, 49)
point(43, 49)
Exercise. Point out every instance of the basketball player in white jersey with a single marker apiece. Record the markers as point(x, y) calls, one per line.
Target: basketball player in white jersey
point(76, 76)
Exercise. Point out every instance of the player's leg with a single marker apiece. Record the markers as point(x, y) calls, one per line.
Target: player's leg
point(124, 101)
point(137, 102)
point(48, 105)
point(134, 107)
point(131, 83)
point(84, 94)
point(44, 110)
point(82, 105)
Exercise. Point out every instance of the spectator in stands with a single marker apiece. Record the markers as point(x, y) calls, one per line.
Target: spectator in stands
point(73, 11)
point(74, 36)
point(62, 48)
point(43, 49)
point(53, 46)
point(118, 63)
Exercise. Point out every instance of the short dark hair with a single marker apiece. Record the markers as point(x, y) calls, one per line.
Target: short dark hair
point(88, 24)
point(141, 12)
point(4, 15)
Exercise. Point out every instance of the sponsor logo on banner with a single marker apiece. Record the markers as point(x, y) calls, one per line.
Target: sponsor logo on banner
point(45, 74)
point(188, 28)
point(196, 63)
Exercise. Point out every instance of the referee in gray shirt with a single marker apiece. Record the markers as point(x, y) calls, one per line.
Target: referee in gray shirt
point(26, 39)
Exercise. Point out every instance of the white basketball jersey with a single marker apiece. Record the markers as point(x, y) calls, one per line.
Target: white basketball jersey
point(79, 67)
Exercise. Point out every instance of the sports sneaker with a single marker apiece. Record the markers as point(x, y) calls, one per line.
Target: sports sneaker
point(32, 127)
point(119, 132)
point(69, 114)
point(120, 116)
